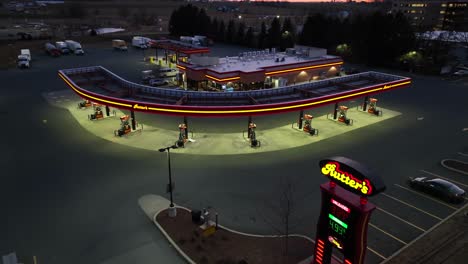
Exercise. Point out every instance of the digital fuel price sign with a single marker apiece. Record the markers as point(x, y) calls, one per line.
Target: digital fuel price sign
point(338, 217)
point(345, 212)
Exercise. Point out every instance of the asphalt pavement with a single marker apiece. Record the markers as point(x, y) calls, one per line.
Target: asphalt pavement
point(68, 196)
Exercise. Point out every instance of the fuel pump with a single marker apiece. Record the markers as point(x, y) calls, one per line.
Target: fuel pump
point(342, 115)
point(307, 125)
point(182, 136)
point(373, 107)
point(98, 114)
point(84, 104)
point(253, 137)
point(124, 126)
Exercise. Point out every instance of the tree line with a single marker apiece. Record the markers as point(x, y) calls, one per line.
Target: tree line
point(377, 39)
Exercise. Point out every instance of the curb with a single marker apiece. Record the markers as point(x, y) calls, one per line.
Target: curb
point(452, 169)
point(189, 260)
point(423, 234)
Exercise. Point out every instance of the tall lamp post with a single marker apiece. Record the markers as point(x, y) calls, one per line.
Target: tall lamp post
point(172, 211)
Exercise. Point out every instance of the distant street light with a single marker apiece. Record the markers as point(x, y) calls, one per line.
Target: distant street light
point(172, 211)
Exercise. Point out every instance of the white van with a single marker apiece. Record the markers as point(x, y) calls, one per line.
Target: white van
point(24, 59)
point(168, 72)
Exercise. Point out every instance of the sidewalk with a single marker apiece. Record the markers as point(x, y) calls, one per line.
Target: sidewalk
point(279, 138)
point(153, 204)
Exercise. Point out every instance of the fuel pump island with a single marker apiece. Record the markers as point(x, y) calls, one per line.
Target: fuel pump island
point(345, 212)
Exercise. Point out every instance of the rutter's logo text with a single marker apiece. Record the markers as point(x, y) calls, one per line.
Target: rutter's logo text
point(332, 170)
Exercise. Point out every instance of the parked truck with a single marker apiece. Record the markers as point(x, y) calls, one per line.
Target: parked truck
point(190, 40)
point(203, 40)
point(119, 44)
point(24, 59)
point(62, 46)
point(75, 47)
point(52, 50)
point(140, 42)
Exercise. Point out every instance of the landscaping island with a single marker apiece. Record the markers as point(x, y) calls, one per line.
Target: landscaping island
point(456, 165)
point(227, 247)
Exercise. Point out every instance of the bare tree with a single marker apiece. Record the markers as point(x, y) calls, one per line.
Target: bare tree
point(284, 214)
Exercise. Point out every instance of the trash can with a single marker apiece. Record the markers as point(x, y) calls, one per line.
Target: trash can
point(196, 216)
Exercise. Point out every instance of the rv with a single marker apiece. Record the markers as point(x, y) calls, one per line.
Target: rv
point(62, 46)
point(75, 47)
point(140, 42)
point(52, 50)
point(190, 40)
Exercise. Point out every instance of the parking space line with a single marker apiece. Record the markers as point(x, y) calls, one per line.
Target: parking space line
point(388, 234)
point(427, 196)
point(433, 174)
point(412, 206)
point(376, 253)
point(401, 219)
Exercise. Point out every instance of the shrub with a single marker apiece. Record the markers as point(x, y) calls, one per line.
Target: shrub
point(199, 248)
point(204, 259)
point(182, 241)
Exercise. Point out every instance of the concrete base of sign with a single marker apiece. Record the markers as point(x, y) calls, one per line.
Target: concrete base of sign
point(206, 143)
point(172, 211)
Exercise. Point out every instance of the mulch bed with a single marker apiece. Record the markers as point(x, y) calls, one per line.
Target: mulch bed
point(224, 247)
point(457, 165)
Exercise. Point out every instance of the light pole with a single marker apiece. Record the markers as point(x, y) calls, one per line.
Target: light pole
point(172, 211)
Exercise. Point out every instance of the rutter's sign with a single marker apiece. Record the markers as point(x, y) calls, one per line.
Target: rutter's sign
point(352, 176)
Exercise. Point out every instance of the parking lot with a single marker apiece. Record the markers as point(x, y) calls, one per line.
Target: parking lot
point(91, 196)
point(403, 213)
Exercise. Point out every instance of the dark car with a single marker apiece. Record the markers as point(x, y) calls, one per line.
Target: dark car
point(439, 188)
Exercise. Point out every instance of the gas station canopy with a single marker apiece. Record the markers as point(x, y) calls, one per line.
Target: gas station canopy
point(100, 85)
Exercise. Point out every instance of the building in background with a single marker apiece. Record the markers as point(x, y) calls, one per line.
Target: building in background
point(258, 69)
point(434, 15)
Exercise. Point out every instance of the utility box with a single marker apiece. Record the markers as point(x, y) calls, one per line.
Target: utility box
point(10, 258)
point(196, 217)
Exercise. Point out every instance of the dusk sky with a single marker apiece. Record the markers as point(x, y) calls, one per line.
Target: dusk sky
point(325, 1)
point(320, 1)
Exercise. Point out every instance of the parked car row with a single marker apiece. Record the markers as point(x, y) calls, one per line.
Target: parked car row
point(162, 77)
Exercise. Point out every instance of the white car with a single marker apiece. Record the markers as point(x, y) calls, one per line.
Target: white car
point(461, 73)
point(23, 61)
point(158, 82)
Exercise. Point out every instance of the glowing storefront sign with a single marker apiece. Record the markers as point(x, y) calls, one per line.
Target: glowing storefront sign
point(303, 68)
point(222, 80)
point(340, 205)
point(352, 176)
point(140, 107)
point(341, 223)
point(335, 242)
point(332, 169)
